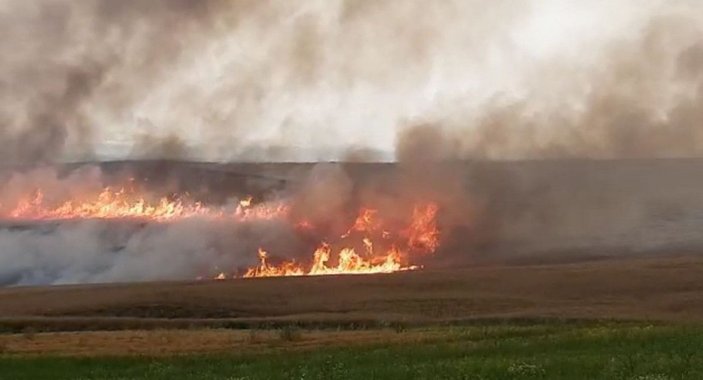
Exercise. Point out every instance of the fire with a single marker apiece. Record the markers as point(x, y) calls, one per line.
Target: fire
point(421, 236)
point(372, 243)
point(107, 204)
point(365, 222)
point(129, 204)
point(267, 270)
point(246, 210)
point(423, 233)
point(348, 262)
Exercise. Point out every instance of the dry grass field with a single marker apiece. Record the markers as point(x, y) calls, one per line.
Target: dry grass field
point(627, 318)
point(200, 341)
point(511, 324)
point(654, 288)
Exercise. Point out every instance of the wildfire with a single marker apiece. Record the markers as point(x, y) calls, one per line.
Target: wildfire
point(371, 244)
point(247, 210)
point(423, 233)
point(267, 270)
point(420, 236)
point(128, 204)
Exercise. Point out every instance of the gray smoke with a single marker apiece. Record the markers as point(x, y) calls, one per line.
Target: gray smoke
point(101, 251)
point(320, 80)
point(93, 250)
point(640, 97)
point(637, 96)
point(489, 211)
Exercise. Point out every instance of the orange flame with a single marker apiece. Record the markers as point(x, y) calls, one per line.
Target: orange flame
point(370, 245)
point(123, 204)
point(422, 235)
point(266, 270)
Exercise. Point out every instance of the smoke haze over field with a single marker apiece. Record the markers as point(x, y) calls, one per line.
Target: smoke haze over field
point(430, 84)
point(490, 212)
point(349, 79)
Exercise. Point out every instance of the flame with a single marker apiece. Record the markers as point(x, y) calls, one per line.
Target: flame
point(107, 204)
point(365, 222)
point(128, 204)
point(266, 270)
point(246, 210)
point(421, 235)
point(246, 202)
point(371, 244)
point(368, 244)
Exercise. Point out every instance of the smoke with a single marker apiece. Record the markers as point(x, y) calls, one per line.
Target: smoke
point(423, 83)
point(346, 79)
point(640, 97)
point(99, 251)
point(87, 250)
point(94, 250)
point(327, 197)
point(488, 212)
point(69, 69)
point(634, 95)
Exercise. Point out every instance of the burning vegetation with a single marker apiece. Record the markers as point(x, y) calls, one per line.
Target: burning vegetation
point(374, 242)
point(127, 203)
point(367, 247)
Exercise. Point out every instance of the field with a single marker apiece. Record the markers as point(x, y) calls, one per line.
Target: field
point(655, 288)
point(620, 319)
point(538, 351)
point(597, 276)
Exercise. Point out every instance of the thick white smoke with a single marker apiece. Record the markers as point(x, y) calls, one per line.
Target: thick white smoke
point(102, 251)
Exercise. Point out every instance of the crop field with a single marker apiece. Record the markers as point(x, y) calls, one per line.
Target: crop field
point(655, 288)
point(351, 189)
point(494, 351)
point(611, 319)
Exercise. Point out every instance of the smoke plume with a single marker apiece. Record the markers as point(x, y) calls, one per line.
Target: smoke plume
point(348, 79)
point(641, 98)
point(437, 86)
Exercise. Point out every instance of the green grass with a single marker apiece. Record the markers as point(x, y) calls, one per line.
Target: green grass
point(605, 351)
